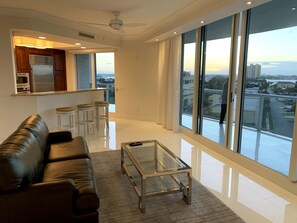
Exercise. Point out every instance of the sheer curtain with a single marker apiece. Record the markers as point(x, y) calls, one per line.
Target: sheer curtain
point(169, 83)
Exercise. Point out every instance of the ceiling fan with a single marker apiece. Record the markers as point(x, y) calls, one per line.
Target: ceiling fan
point(116, 23)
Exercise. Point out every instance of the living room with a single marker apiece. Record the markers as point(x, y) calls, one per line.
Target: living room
point(136, 62)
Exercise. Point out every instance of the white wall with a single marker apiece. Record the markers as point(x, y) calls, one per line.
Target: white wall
point(136, 76)
point(12, 109)
point(70, 71)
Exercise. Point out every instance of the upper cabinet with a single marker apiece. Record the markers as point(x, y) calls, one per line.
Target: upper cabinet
point(60, 70)
point(22, 60)
point(59, 66)
point(59, 60)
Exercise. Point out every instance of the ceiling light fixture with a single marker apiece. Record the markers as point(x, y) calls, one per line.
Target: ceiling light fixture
point(31, 42)
point(202, 21)
point(83, 47)
point(41, 37)
point(293, 8)
point(174, 33)
point(77, 44)
point(40, 43)
point(49, 44)
point(249, 2)
point(157, 40)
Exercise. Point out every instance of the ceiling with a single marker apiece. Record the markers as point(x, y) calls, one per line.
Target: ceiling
point(143, 19)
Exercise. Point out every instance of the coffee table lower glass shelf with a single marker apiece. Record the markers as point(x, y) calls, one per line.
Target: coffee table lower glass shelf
point(154, 170)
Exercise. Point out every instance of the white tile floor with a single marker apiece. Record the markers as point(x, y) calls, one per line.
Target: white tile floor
point(253, 198)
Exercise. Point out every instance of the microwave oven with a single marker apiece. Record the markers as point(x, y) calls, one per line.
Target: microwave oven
point(23, 82)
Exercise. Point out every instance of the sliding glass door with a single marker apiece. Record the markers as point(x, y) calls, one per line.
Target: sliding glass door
point(253, 104)
point(187, 79)
point(270, 85)
point(84, 71)
point(105, 76)
point(214, 79)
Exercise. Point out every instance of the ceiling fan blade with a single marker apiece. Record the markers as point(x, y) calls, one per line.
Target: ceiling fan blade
point(93, 23)
point(133, 24)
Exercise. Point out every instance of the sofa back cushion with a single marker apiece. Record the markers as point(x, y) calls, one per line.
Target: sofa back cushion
point(20, 160)
point(36, 125)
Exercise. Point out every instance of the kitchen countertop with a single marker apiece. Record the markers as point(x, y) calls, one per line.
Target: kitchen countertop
point(57, 92)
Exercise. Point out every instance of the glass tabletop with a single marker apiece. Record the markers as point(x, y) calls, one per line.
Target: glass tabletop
point(153, 157)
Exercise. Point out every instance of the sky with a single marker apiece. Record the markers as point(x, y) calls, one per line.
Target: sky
point(275, 51)
point(105, 63)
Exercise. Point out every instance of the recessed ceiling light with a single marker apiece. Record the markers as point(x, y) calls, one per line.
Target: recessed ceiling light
point(41, 37)
point(77, 44)
point(157, 39)
point(174, 33)
point(202, 21)
point(249, 2)
point(83, 47)
point(293, 8)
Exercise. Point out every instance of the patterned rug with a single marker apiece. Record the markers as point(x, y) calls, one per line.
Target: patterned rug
point(119, 202)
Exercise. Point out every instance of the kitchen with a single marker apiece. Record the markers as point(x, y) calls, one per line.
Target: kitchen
point(41, 76)
point(40, 70)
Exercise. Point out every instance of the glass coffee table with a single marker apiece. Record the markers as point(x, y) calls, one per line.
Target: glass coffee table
point(154, 170)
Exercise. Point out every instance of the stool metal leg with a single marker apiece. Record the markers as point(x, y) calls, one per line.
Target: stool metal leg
point(107, 116)
point(78, 127)
point(97, 115)
point(59, 121)
point(84, 121)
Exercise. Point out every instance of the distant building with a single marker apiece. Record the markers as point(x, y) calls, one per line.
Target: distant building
point(188, 86)
point(253, 71)
point(285, 84)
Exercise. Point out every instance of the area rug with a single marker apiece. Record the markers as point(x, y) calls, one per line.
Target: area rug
point(119, 202)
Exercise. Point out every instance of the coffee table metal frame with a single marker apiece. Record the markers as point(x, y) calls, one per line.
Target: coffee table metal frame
point(142, 179)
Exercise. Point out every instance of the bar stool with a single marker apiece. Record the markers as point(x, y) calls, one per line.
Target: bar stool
point(88, 118)
point(63, 113)
point(105, 113)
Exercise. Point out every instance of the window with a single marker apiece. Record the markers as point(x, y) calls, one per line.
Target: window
point(84, 71)
point(262, 98)
point(105, 76)
point(187, 78)
point(214, 76)
point(270, 86)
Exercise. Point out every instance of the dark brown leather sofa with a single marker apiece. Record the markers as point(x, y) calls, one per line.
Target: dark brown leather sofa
point(46, 176)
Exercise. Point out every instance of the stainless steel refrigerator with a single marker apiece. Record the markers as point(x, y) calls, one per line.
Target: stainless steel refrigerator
point(42, 73)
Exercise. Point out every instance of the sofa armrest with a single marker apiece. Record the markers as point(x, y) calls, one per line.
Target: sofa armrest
point(59, 136)
point(41, 202)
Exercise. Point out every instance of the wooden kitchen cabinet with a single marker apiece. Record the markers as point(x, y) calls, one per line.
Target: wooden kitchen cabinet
point(59, 60)
point(22, 59)
point(59, 63)
point(60, 82)
point(60, 70)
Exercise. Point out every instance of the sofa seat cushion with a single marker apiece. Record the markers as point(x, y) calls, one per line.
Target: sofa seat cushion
point(74, 149)
point(82, 174)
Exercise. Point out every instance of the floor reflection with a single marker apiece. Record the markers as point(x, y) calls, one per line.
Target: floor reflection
point(269, 149)
point(250, 196)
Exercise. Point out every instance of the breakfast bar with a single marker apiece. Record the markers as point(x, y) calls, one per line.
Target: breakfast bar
point(46, 102)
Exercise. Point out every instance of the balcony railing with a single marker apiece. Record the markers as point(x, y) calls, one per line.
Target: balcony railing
point(268, 121)
point(262, 112)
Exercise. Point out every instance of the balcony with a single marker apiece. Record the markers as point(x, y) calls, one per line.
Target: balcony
point(266, 135)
